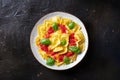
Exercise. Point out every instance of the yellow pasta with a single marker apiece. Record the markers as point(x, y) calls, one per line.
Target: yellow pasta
point(57, 49)
point(59, 40)
point(79, 36)
point(55, 41)
point(64, 50)
point(43, 54)
point(73, 58)
point(64, 21)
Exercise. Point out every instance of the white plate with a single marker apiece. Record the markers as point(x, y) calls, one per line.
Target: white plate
point(35, 49)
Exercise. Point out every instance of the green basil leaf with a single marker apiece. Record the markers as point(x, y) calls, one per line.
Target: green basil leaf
point(74, 49)
point(66, 60)
point(71, 25)
point(63, 42)
point(45, 41)
point(55, 26)
point(50, 61)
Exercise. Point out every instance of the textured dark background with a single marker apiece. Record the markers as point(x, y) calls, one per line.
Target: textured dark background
point(102, 21)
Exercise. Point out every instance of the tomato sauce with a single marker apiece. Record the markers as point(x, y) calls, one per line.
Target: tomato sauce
point(49, 31)
point(72, 40)
point(63, 28)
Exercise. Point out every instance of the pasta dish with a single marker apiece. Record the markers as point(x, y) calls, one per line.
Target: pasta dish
point(59, 40)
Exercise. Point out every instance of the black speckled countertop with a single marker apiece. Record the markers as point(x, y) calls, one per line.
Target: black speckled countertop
point(102, 21)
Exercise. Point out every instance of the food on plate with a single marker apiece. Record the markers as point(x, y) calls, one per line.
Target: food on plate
point(59, 40)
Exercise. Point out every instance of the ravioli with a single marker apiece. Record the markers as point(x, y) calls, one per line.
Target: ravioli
point(59, 40)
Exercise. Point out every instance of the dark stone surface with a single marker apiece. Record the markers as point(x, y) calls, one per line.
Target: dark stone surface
point(102, 21)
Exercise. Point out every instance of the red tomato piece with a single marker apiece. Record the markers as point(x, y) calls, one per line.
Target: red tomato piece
point(47, 35)
point(72, 44)
point(71, 36)
point(68, 54)
point(52, 53)
point(72, 40)
point(63, 28)
point(61, 57)
point(50, 30)
point(44, 47)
